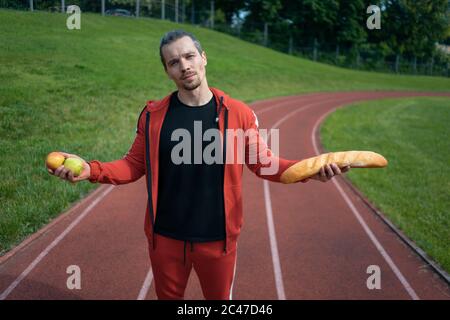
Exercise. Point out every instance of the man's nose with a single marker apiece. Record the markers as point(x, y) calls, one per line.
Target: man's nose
point(184, 65)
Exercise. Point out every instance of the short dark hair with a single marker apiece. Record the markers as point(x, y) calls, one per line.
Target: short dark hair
point(171, 36)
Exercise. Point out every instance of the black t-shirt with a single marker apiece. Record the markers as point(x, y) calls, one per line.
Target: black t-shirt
point(190, 203)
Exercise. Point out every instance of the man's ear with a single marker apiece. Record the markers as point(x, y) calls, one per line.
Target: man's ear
point(204, 58)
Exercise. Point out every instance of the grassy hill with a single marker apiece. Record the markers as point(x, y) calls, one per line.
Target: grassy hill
point(81, 91)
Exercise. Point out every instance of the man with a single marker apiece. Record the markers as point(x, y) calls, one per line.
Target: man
point(197, 202)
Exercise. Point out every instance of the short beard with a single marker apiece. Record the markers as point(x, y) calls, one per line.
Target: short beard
point(193, 85)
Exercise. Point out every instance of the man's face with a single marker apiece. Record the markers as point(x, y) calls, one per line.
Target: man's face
point(184, 64)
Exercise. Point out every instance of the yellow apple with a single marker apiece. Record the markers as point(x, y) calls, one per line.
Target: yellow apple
point(54, 160)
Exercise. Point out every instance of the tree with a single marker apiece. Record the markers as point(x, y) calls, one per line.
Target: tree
point(260, 12)
point(413, 28)
point(230, 8)
point(312, 19)
point(351, 23)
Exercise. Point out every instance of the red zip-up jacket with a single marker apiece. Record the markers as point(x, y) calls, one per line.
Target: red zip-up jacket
point(143, 156)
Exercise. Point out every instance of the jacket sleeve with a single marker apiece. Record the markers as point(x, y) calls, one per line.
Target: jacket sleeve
point(259, 158)
point(128, 169)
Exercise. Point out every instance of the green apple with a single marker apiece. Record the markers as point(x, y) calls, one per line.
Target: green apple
point(75, 165)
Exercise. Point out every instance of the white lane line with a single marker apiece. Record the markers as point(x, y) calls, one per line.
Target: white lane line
point(234, 275)
point(146, 285)
point(287, 103)
point(273, 244)
point(366, 228)
point(267, 199)
point(44, 253)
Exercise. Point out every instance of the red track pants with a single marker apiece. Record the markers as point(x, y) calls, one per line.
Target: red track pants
point(172, 262)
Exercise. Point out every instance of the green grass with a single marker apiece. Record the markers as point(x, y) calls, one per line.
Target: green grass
point(82, 90)
point(414, 190)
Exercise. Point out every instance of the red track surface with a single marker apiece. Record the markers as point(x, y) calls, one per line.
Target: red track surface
point(324, 236)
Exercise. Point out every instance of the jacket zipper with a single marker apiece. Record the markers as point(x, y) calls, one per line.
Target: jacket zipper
point(224, 165)
point(149, 175)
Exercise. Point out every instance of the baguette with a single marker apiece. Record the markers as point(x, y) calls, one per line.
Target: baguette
point(355, 159)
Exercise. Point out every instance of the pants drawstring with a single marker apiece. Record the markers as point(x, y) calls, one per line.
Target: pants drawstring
point(184, 251)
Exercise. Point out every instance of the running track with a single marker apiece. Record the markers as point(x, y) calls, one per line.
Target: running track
point(300, 241)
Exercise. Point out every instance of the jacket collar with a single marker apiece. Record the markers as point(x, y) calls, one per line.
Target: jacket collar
point(160, 104)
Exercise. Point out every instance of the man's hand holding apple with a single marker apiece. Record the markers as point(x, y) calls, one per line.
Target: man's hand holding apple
point(68, 171)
